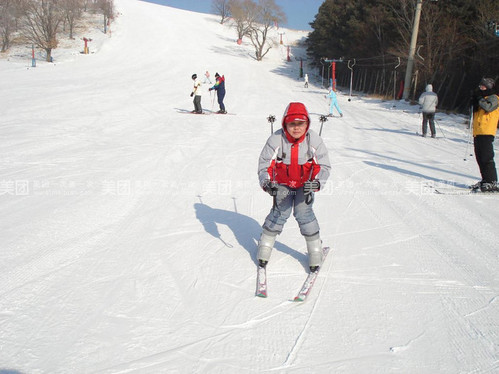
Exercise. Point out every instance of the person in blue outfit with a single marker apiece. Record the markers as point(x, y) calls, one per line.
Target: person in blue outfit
point(334, 102)
point(219, 86)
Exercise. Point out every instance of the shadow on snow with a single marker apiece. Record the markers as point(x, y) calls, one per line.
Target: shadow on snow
point(246, 230)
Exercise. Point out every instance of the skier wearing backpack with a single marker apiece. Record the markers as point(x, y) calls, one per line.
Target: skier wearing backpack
point(220, 88)
point(293, 164)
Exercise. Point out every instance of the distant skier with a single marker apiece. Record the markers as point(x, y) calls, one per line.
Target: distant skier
point(220, 88)
point(306, 80)
point(207, 77)
point(334, 102)
point(485, 122)
point(196, 92)
point(428, 101)
point(293, 164)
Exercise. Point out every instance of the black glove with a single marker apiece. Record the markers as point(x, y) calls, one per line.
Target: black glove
point(311, 186)
point(192, 94)
point(270, 187)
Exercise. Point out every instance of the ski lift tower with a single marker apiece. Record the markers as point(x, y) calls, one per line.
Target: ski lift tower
point(412, 49)
point(333, 70)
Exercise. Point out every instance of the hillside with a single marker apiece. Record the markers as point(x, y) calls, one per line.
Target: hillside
point(129, 229)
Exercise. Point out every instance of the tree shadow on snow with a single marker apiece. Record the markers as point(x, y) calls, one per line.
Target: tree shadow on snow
point(246, 230)
point(413, 173)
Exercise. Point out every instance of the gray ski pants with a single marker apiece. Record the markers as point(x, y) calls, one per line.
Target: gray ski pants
point(197, 104)
point(291, 200)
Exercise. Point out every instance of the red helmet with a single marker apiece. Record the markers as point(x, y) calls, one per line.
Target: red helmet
point(295, 112)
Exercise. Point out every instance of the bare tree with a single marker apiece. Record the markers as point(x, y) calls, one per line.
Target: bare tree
point(5, 24)
point(221, 8)
point(72, 10)
point(269, 14)
point(9, 15)
point(107, 9)
point(41, 22)
point(244, 14)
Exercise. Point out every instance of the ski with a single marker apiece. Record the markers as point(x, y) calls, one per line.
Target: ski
point(454, 191)
point(261, 282)
point(222, 114)
point(463, 191)
point(310, 280)
point(190, 112)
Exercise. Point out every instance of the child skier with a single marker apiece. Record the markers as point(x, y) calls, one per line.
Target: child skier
point(334, 102)
point(220, 88)
point(293, 164)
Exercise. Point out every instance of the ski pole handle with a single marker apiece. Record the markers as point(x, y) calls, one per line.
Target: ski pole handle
point(271, 119)
point(322, 119)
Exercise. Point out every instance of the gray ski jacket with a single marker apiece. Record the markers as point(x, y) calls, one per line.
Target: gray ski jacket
point(292, 164)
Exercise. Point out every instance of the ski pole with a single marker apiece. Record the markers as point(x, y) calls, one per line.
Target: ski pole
point(322, 119)
point(443, 133)
point(212, 102)
point(470, 131)
point(271, 119)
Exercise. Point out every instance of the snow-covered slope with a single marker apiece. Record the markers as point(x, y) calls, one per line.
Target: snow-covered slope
point(129, 229)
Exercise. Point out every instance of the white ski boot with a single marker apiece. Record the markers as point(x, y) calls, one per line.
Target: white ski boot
point(265, 245)
point(314, 248)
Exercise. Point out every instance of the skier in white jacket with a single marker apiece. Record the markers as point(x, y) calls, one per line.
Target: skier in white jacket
point(429, 101)
point(196, 92)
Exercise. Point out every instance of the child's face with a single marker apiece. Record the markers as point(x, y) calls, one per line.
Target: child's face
point(296, 129)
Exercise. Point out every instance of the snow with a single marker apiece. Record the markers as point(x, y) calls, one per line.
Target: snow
point(129, 229)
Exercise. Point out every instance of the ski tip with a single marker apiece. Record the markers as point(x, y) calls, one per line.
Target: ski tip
point(263, 295)
point(298, 299)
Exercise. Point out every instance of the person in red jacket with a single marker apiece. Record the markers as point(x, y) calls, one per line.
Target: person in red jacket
point(293, 164)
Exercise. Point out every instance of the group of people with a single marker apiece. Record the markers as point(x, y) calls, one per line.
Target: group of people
point(219, 87)
point(294, 164)
point(485, 108)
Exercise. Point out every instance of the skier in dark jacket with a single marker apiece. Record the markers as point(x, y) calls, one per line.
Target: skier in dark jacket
point(220, 88)
point(485, 121)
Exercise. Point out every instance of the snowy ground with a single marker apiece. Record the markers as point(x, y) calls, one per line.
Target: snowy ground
point(129, 230)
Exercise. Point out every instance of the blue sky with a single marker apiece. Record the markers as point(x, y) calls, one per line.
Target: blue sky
point(299, 12)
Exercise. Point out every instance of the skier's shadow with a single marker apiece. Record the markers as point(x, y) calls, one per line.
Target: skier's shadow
point(246, 230)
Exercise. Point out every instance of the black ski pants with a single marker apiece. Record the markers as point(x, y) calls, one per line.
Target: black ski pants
point(484, 154)
point(429, 117)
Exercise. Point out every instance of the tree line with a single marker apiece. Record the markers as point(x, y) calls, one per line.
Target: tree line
point(39, 22)
point(457, 45)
